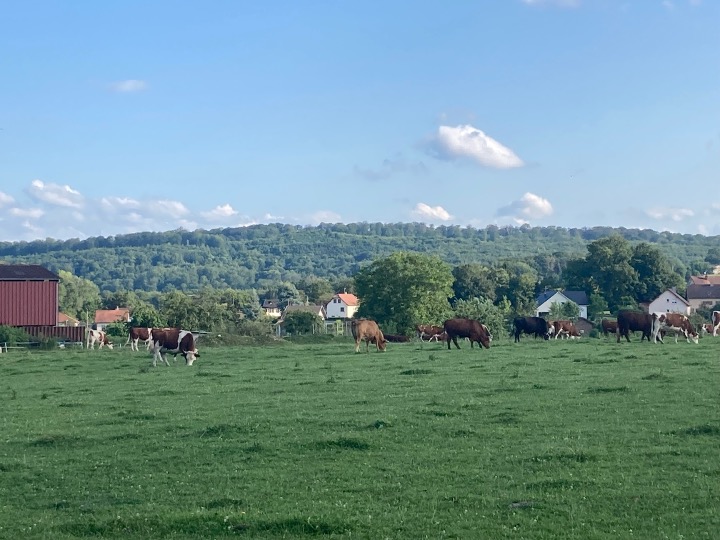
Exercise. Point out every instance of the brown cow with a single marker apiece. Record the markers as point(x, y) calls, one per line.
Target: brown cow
point(673, 322)
point(608, 327)
point(369, 331)
point(174, 341)
point(563, 330)
point(466, 328)
point(633, 321)
point(138, 334)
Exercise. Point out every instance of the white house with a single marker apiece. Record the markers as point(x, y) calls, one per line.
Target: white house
point(548, 298)
point(342, 306)
point(271, 307)
point(670, 302)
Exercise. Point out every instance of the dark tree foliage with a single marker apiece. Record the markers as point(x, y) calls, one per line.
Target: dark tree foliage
point(264, 256)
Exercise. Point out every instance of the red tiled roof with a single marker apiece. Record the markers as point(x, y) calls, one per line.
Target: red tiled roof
point(63, 318)
point(349, 299)
point(104, 316)
point(705, 280)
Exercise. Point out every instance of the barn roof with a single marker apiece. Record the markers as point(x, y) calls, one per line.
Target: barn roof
point(26, 272)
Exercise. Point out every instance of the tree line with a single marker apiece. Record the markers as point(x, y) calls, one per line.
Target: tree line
point(406, 288)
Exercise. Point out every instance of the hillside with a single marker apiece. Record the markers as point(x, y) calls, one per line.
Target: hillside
point(259, 255)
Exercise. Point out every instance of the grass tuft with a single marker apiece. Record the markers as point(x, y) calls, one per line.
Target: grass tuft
point(607, 389)
point(416, 372)
point(703, 429)
point(380, 424)
point(343, 443)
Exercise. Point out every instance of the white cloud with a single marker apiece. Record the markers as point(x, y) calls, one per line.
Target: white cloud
point(219, 213)
point(32, 213)
point(433, 213)
point(170, 208)
point(5, 199)
point(113, 203)
point(529, 206)
point(466, 141)
point(55, 194)
point(127, 86)
point(673, 214)
point(325, 216)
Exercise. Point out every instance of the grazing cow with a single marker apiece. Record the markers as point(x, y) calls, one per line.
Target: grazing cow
point(173, 341)
point(563, 330)
point(396, 338)
point(137, 335)
point(466, 328)
point(531, 325)
point(633, 321)
point(715, 322)
point(370, 332)
point(608, 327)
point(100, 337)
point(707, 328)
point(429, 332)
point(673, 322)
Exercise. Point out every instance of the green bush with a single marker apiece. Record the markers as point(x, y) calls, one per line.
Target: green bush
point(13, 336)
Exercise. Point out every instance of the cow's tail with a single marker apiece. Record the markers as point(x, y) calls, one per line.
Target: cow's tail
point(353, 328)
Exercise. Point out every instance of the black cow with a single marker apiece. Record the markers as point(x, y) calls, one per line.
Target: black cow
point(396, 338)
point(634, 321)
point(466, 328)
point(530, 325)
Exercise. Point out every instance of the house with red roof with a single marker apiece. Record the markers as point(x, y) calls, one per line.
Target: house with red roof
point(342, 306)
point(103, 317)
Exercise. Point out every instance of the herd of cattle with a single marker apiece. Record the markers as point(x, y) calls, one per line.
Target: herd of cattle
point(652, 326)
point(159, 340)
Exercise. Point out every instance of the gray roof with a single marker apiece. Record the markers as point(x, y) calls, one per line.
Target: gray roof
point(703, 292)
point(579, 297)
point(26, 272)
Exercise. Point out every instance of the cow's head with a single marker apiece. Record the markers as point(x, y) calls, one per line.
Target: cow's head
point(382, 343)
point(109, 345)
point(190, 357)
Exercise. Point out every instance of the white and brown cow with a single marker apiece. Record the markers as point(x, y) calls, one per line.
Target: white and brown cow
point(706, 328)
point(429, 332)
point(365, 329)
point(98, 336)
point(137, 335)
point(672, 322)
point(715, 322)
point(173, 341)
point(563, 330)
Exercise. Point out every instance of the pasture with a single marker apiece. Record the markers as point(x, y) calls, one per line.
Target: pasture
point(583, 439)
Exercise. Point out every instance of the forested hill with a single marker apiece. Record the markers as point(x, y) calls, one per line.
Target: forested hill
point(260, 255)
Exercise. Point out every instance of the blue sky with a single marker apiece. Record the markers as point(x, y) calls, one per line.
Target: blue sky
point(119, 117)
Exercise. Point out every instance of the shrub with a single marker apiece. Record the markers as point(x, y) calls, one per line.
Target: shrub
point(12, 336)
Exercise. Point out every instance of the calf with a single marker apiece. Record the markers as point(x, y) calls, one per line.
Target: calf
point(608, 327)
point(365, 329)
point(173, 341)
point(429, 332)
point(100, 337)
point(707, 329)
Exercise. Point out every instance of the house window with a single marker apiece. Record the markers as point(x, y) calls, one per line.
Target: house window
point(342, 310)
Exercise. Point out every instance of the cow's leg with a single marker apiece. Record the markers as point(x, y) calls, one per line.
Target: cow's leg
point(715, 329)
point(454, 338)
point(357, 345)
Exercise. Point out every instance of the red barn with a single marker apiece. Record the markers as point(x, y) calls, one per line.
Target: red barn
point(28, 295)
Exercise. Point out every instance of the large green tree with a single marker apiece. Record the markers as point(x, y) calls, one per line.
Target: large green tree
point(654, 271)
point(474, 280)
point(405, 289)
point(77, 297)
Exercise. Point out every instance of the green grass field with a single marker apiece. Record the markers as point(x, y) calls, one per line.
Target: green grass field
point(576, 439)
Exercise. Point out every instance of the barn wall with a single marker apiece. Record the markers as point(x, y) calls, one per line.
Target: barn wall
point(29, 303)
point(68, 333)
